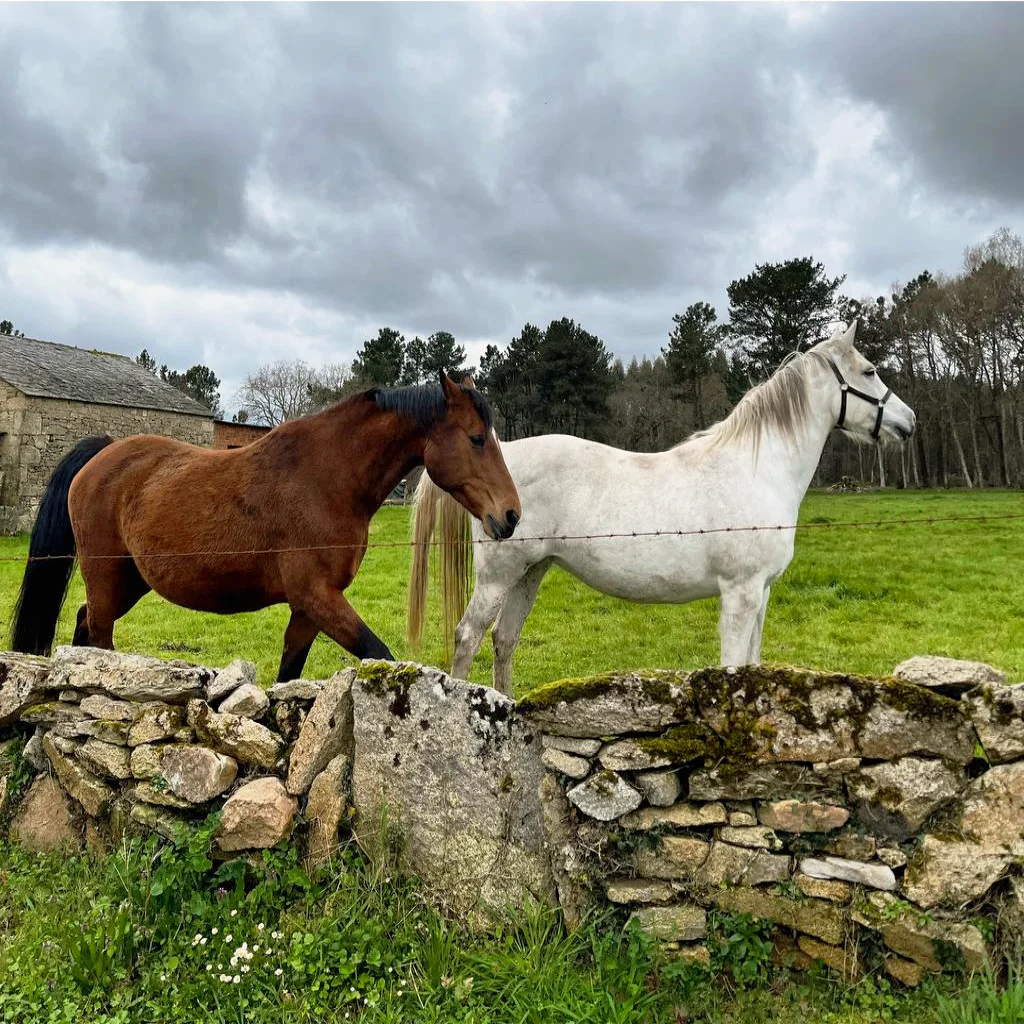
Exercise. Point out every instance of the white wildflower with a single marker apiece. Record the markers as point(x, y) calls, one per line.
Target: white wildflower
point(278, 973)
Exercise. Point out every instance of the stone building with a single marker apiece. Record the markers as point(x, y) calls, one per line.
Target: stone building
point(237, 435)
point(53, 395)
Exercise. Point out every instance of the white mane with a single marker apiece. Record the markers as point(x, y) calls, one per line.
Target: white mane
point(781, 403)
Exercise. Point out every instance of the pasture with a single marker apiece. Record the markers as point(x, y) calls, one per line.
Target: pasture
point(152, 937)
point(858, 599)
point(349, 943)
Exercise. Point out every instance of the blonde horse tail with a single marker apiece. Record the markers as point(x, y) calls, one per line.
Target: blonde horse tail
point(432, 504)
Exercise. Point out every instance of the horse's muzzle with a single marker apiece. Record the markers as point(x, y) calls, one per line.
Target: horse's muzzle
point(502, 531)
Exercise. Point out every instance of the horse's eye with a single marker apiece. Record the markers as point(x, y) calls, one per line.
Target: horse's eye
point(478, 440)
point(869, 372)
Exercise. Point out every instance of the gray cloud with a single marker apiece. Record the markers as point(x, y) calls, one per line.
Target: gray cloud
point(297, 175)
point(950, 78)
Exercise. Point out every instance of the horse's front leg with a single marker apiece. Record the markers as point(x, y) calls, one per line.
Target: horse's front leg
point(332, 614)
point(480, 613)
point(738, 621)
point(511, 620)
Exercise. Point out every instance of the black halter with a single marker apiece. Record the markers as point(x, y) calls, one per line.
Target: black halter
point(845, 389)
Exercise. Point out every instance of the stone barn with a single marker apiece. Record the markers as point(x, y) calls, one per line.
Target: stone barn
point(53, 395)
point(237, 435)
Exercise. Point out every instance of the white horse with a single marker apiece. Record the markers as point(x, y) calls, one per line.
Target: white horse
point(751, 469)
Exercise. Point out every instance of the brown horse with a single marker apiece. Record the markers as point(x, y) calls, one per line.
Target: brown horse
point(284, 519)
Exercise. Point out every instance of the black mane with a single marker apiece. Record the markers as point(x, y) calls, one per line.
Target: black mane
point(425, 403)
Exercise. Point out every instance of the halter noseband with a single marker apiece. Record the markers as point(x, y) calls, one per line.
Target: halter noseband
point(845, 389)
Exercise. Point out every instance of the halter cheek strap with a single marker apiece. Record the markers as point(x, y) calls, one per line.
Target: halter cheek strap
point(845, 389)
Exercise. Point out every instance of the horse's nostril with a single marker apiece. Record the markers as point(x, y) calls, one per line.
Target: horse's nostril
point(512, 518)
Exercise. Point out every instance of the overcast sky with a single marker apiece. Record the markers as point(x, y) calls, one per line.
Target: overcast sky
point(234, 184)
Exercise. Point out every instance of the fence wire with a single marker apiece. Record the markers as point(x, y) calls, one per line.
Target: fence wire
point(370, 545)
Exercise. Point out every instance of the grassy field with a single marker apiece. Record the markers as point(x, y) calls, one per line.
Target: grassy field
point(858, 599)
point(164, 937)
point(148, 934)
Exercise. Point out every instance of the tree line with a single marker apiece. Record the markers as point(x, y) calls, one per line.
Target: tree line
point(952, 346)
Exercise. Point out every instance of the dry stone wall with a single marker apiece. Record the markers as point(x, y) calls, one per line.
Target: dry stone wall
point(873, 823)
point(857, 815)
point(447, 775)
point(121, 742)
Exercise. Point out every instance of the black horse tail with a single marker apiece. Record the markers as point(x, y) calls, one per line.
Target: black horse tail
point(46, 581)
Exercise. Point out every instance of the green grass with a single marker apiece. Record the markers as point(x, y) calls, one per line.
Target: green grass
point(857, 599)
point(148, 935)
point(112, 942)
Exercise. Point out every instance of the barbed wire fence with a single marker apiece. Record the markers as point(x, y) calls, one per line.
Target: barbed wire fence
point(529, 539)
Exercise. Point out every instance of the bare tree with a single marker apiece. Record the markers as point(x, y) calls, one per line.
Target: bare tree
point(286, 390)
point(334, 383)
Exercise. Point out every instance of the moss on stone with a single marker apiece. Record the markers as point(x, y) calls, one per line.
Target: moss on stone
point(682, 743)
point(47, 708)
point(390, 679)
point(603, 782)
point(378, 677)
point(656, 687)
point(739, 692)
point(915, 700)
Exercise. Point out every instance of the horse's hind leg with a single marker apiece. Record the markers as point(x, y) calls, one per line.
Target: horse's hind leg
point(113, 586)
point(754, 652)
point(509, 625)
point(298, 639)
point(737, 620)
point(81, 637)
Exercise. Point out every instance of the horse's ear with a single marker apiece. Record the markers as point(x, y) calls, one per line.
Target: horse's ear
point(467, 382)
point(845, 340)
point(449, 387)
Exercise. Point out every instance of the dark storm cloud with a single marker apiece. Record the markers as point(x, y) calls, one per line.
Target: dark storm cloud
point(474, 166)
point(950, 78)
point(47, 181)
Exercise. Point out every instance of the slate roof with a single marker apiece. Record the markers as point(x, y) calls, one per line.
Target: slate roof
point(44, 369)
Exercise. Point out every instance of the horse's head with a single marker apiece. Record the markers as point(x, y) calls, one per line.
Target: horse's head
point(864, 407)
point(463, 457)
